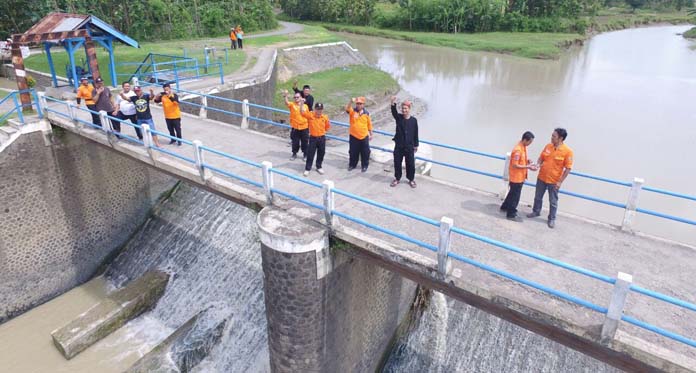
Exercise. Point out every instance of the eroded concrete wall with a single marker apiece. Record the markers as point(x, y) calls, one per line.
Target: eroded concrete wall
point(64, 209)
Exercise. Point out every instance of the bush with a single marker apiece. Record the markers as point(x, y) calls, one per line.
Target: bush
point(691, 34)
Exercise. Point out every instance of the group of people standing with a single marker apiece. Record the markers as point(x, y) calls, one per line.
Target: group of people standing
point(236, 37)
point(309, 125)
point(132, 105)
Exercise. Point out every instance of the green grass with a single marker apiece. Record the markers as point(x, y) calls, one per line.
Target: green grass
point(311, 34)
point(3, 93)
point(127, 54)
point(691, 34)
point(524, 44)
point(622, 18)
point(335, 87)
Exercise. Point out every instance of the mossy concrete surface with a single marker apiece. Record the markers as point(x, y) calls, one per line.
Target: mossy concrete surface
point(107, 316)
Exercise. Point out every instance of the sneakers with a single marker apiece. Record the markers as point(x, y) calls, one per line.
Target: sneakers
point(171, 141)
point(351, 168)
point(305, 173)
point(304, 157)
point(364, 169)
point(533, 215)
point(320, 171)
point(178, 143)
point(552, 223)
point(514, 218)
point(394, 183)
point(293, 157)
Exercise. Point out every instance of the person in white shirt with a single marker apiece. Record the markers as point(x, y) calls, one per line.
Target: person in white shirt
point(126, 109)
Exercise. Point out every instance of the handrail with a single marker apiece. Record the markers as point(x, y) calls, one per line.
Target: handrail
point(553, 292)
point(19, 106)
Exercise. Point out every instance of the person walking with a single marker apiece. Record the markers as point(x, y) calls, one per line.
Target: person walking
point(172, 112)
point(142, 110)
point(103, 101)
point(233, 38)
point(555, 163)
point(126, 109)
point(405, 142)
point(84, 92)
point(299, 134)
point(306, 93)
point(519, 164)
point(318, 125)
point(240, 36)
point(360, 134)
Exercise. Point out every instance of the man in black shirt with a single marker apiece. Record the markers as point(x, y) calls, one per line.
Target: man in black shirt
point(142, 109)
point(405, 142)
point(306, 93)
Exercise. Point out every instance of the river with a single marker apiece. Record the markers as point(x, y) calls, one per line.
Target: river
point(626, 98)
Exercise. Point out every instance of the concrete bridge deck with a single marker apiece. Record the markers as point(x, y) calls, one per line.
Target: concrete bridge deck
point(656, 264)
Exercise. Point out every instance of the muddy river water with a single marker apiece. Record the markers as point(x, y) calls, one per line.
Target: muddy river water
point(627, 99)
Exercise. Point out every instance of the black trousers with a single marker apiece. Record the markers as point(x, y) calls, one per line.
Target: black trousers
point(95, 115)
point(174, 127)
point(132, 118)
point(234, 44)
point(512, 199)
point(318, 145)
point(399, 153)
point(359, 149)
point(239, 43)
point(299, 138)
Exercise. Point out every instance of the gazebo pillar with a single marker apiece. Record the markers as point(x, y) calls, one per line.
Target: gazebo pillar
point(92, 57)
point(20, 75)
point(47, 48)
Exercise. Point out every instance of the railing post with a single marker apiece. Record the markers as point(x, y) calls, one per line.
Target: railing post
point(443, 264)
point(631, 204)
point(616, 306)
point(147, 140)
point(18, 107)
point(267, 181)
point(42, 104)
point(176, 77)
point(198, 154)
point(506, 177)
point(222, 73)
point(204, 107)
point(71, 110)
point(105, 125)
point(329, 203)
point(245, 114)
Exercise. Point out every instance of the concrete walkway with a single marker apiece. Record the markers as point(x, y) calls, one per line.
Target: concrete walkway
point(655, 264)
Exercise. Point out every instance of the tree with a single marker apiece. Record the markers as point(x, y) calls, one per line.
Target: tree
point(635, 4)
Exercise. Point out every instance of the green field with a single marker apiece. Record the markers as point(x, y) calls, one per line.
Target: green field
point(621, 18)
point(310, 35)
point(691, 34)
point(335, 87)
point(524, 44)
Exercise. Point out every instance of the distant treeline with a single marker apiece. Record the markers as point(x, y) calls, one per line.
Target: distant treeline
point(466, 15)
point(148, 19)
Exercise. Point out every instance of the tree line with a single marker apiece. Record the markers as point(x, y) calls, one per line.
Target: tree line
point(148, 19)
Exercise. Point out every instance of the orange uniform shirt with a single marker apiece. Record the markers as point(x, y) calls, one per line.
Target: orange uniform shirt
point(317, 125)
point(297, 120)
point(554, 161)
point(85, 93)
point(233, 35)
point(360, 124)
point(518, 157)
point(171, 108)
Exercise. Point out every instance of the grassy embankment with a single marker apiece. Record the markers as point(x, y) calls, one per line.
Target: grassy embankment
point(335, 87)
point(621, 18)
point(691, 34)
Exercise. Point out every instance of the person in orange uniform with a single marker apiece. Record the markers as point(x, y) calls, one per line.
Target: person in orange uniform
point(360, 134)
point(233, 38)
point(172, 112)
point(299, 134)
point(519, 164)
point(318, 125)
point(555, 163)
point(84, 91)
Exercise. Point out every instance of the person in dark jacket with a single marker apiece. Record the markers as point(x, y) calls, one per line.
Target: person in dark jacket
point(306, 93)
point(405, 142)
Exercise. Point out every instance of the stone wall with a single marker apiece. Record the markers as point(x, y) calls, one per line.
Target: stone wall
point(64, 209)
point(341, 322)
point(43, 80)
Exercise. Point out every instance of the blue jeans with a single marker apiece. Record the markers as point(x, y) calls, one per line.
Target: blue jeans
point(541, 188)
point(149, 122)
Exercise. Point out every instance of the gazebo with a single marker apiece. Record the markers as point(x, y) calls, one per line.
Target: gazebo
point(72, 31)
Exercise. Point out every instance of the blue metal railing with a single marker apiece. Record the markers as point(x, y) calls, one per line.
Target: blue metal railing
point(18, 107)
point(404, 237)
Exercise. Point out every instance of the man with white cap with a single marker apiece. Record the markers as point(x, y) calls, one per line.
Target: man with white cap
point(360, 134)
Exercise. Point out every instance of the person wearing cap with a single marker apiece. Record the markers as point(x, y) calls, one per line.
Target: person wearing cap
point(126, 109)
point(519, 165)
point(360, 134)
point(405, 142)
point(318, 125)
point(103, 101)
point(233, 38)
point(299, 134)
point(306, 93)
point(172, 112)
point(555, 163)
point(142, 109)
point(84, 91)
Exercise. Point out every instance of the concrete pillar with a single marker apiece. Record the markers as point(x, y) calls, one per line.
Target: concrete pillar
point(292, 292)
point(506, 177)
point(616, 306)
point(631, 204)
point(245, 114)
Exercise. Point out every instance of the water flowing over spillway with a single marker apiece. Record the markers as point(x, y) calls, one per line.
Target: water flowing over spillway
point(451, 336)
point(210, 247)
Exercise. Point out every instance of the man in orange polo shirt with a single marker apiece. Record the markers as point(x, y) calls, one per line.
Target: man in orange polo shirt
point(172, 112)
point(360, 134)
point(555, 163)
point(318, 125)
point(84, 91)
point(233, 38)
point(519, 164)
point(299, 134)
